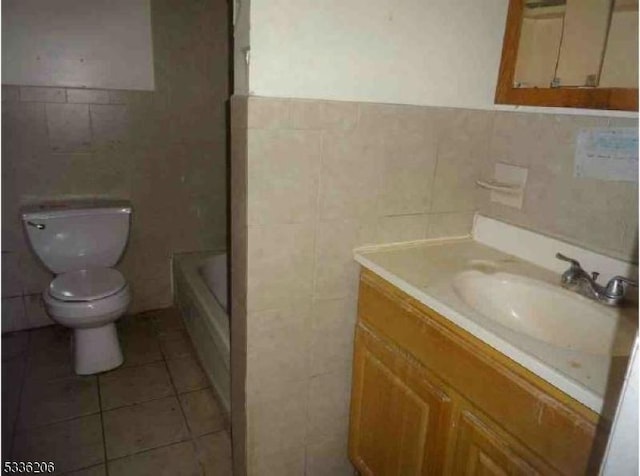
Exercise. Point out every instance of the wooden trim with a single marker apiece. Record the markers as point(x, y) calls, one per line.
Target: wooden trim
point(588, 98)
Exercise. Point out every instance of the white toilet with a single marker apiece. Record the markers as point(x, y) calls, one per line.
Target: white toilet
point(80, 241)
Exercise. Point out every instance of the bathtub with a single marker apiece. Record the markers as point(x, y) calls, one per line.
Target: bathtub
point(200, 293)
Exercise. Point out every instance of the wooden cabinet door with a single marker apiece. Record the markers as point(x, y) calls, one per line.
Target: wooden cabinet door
point(481, 450)
point(400, 417)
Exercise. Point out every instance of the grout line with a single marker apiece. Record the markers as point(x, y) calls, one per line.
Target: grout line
point(317, 215)
point(147, 450)
point(20, 396)
point(101, 410)
point(83, 468)
point(31, 429)
point(192, 438)
point(140, 402)
point(177, 395)
point(104, 435)
point(214, 432)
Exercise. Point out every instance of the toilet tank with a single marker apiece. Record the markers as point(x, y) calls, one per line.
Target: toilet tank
point(78, 234)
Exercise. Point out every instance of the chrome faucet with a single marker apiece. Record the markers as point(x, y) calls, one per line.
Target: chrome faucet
point(577, 279)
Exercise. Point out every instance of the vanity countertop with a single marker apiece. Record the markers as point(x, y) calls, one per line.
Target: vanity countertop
point(425, 270)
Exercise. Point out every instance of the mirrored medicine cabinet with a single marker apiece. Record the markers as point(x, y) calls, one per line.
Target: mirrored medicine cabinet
point(570, 53)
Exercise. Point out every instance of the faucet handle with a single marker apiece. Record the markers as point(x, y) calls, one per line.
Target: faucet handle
point(573, 262)
point(615, 286)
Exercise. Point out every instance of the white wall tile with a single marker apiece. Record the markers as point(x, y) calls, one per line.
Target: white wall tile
point(109, 125)
point(323, 115)
point(393, 229)
point(328, 410)
point(331, 335)
point(88, 96)
point(329, 458)
point(11, 279)
point(69, 129)
point(336, 273)
point(276, 426)
point(268, 113)
point(34, 94)
point(280, 265)
point(441, 225)
point(10, 93)
point(290, 462)
point(283, 176)
point(35, 311)
point(13, 314)
point(351, 175)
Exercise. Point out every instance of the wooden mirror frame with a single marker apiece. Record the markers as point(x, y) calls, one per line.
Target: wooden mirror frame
point(623, 99)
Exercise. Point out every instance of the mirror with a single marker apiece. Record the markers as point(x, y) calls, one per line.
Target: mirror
point(576, 53)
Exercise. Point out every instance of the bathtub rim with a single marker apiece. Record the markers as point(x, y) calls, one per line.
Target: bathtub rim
point(187, 266)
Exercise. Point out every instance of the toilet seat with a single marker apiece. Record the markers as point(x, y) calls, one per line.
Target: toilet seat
point(86, 284)
point(84, 314)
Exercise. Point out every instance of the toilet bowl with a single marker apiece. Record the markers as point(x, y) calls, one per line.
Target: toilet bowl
point(80, 242)
point(90, 306)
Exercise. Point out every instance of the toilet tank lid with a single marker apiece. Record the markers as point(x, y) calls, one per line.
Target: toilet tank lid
point(69, 208)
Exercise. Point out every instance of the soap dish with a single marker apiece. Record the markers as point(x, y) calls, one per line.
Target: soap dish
point(500, 186)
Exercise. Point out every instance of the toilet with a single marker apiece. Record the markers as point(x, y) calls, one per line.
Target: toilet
point(80, 241)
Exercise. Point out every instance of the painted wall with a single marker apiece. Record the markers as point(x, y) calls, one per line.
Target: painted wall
point(74, 43)
point(437, 52)
point(241, 49)
point(164, 150)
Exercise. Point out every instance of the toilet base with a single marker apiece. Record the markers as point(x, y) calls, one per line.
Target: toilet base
point(96, 349)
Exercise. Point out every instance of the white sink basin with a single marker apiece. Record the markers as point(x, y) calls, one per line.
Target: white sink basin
point(545, 312)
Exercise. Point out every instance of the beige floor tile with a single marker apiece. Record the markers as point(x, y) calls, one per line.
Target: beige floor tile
point(50, 354)
point(58, 364)
point(187, 374)
point(7, 435)
point(176, 344)
point(44, 338)
point(202, 411)
point(139, 347)
point(12, 376)
point(167, 320)
point(13, 373)
point(130, 385)
point(58, 400)
point(99, 470)
point(175, 460)
point(214, 453)
point(135, 323)
point(132, 429)
point(14, 344)
point(71, 444)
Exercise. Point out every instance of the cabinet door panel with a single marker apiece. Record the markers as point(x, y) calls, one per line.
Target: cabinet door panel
point(481, 451)
point(399, 419)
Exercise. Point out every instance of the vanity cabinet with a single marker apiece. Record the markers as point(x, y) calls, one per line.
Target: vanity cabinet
point(428, 398)
point(403, 414)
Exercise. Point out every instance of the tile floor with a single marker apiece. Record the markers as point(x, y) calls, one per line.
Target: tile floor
point(155, 415)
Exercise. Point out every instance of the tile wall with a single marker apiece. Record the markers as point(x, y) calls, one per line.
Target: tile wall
point(164, 150)
point(313, 179)
point(595, 214)
point(321, 178)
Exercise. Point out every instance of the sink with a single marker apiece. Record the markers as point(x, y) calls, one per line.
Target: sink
point(545, 312)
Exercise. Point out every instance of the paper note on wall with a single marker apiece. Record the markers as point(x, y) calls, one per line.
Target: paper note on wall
point(607, 154)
